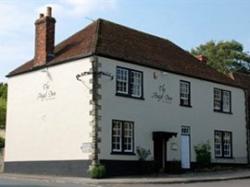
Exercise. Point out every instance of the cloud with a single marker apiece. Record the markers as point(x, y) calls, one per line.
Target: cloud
point(78, 8)
point(17, 25)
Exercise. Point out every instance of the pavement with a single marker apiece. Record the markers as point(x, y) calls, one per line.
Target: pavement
point(189, 177)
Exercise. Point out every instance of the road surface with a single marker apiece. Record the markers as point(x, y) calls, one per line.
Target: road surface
point(35, 183)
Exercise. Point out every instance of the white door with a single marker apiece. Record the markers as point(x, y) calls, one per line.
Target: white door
point(185, 151)
point(185, 147)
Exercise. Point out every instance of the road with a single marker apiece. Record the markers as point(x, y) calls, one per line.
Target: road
point(231, 183)
point(25, 183)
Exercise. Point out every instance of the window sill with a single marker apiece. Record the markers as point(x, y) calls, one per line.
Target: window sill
point(122, 153)
point(219, 111)
point(224, 158)
point(129, 96)
point(188, 106)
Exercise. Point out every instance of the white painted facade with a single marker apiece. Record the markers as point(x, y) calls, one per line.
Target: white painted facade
point(48, 114)
point(151, 115)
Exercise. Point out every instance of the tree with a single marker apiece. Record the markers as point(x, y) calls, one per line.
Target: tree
point(225, 56)
point(3, 91)
point(2, 113)
point(3, 103)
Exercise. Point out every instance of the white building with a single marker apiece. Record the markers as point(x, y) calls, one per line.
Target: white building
point(109, 89)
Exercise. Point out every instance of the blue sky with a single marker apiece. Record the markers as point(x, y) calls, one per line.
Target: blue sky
point(187, 23)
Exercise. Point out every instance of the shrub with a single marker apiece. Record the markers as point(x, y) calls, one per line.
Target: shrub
point(2, 113)
point(142, 153)
point(203, 154)
point(2, 143)
point(97, 171)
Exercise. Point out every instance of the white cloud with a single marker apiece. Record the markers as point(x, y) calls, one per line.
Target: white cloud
point(81, 8)
point(78, 8)
point(17, 25)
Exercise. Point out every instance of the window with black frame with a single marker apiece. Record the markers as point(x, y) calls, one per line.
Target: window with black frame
point(185, 93)
point(129, 83)
point(223, 144)
point(122, 137)
point(222, 101)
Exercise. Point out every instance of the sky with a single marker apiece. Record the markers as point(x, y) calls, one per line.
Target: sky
point(187, 23)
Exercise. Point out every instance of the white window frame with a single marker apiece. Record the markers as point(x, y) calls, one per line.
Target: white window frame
point(122, 78)
point(223, 144)
point(133, 82)
point(227, 141)
point(222, 100)
point(128, 126)
point(116, 122)
point(185, 93)
point(226, 101)
point(136, 83)
point(124, 137)
point(218, 144)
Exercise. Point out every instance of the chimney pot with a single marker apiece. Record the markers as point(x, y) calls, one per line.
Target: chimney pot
point(49, 12)
point(202, 58)
point(41, 15)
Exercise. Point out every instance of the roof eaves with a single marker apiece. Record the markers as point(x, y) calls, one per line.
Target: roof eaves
point(170, 71)
point(50, 64)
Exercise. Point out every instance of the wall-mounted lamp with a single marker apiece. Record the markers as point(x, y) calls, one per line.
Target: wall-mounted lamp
point(46, 70)
point(164, 73)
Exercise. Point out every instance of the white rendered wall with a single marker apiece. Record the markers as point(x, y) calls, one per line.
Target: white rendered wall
point(150, 115)
point(52, 126)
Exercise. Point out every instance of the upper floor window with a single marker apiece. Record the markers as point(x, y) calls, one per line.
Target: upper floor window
point(185, 93)
point(222, 100)
point(122, 80)
point(129, 82)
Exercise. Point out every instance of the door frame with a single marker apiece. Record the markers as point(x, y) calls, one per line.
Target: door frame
point(160, 152)
point(160, 139)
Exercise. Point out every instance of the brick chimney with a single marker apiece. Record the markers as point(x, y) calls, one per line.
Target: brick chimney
point(202, 58)
point(44, 38)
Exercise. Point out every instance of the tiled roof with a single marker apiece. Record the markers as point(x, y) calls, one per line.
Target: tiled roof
point(104, 38)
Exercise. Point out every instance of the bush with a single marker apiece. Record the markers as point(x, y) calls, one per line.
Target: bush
point(203, 154)
point(97, 171)
point(142, 153)
point(2, 143)
point(2, 116)
point(3, 104)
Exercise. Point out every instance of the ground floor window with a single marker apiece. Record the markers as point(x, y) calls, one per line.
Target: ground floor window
point(122, 136)
point(223, 144)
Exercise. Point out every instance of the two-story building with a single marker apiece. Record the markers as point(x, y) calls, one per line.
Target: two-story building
point(108, 90)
